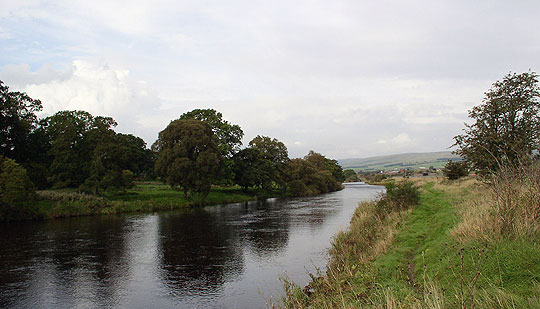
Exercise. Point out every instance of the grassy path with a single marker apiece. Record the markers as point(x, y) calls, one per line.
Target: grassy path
point(412, 259)
point(422, 241)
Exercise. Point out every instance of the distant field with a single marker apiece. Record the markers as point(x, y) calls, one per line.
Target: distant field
point(399, 161)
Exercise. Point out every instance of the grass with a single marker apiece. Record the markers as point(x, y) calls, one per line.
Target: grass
point(144, 197)
point(447, 252)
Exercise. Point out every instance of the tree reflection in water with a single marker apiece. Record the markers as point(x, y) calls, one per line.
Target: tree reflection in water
point(198, 252)
point(86, 260)
point(222, 255)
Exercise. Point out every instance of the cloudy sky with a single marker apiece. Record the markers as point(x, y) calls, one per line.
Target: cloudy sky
point(344, 78)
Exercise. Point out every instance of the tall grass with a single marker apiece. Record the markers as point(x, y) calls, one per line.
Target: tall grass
point(468, 244)
point(350, 276)
point(507, 207)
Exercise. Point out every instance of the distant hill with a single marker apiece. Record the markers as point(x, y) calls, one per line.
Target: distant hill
point(399, 161)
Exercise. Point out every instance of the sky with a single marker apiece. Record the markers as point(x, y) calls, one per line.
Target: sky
point(344, 78)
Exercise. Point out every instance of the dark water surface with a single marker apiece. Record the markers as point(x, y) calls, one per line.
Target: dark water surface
point(227, 256)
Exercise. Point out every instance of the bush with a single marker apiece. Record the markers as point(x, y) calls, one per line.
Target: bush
point(455, 170)
point(399, 196)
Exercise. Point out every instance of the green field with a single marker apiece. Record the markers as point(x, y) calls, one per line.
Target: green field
point(399, 161)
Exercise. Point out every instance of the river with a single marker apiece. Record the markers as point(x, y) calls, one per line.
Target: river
point(229, 256)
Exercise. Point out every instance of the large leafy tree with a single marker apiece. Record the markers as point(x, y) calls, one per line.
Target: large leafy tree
point(135, 156)
point(17, 121)
point(272, 158)
point(506, 126)
point(248, 168)
point(229, 137)
point(73, 137)
point(188, 157)
point(116, 160)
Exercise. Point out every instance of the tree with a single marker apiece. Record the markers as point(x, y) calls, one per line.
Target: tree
point(17, 120)
point(323, 163)
point(315, 174)
point(16, 189)
point(350, 175)
point(271, 148)
point(88, 154)
point(507, 124)
point(248, 168)
point(229, 137)
point(272, 160)
point(73, 137)
point(135, 155)
point(455, 170)
point(188, 157)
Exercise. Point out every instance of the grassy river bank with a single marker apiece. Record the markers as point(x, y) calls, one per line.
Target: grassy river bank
point(466, 244)
point(144, 197)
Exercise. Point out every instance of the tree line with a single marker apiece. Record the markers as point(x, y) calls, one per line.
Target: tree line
point(200, 149)
point(74, 149)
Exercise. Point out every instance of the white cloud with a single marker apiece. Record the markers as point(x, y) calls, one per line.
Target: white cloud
point(338, 76)
point(93, 87)
point(398, 140)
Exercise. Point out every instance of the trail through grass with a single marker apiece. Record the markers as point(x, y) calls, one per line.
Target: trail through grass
point(425, 265)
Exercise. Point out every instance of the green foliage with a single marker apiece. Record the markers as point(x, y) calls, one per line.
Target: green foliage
point(250, 168)
point(87, 153)
point(456, 169)
point(399, 196)
point(350, 175)
point(507, 124)
point(270, 157)
point(73, 137)
point(229, 136)
point(17, 192)
point(374, 178)
point(17, 121)
point(144, 197)
point(315, 174)
point(188, 157)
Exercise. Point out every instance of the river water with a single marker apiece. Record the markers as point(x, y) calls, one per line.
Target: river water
point(229, 256)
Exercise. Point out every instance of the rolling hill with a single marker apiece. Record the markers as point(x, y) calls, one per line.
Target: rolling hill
point(399, 161)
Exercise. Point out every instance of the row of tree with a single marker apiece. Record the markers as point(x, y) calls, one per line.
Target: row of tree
point(74, 149)
point(70, 148)
point(201, 149)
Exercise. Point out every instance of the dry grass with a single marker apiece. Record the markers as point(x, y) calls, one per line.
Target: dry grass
point(503, 213)
point(509, 207)
point(370, 234)
point(348, 277)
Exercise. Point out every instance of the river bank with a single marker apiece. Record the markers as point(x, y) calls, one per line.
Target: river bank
point(450, 251)
point(227, 256)
point(144, 197)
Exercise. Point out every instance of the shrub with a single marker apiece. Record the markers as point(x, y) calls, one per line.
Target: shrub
point(399, 196)
point(455, 170)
